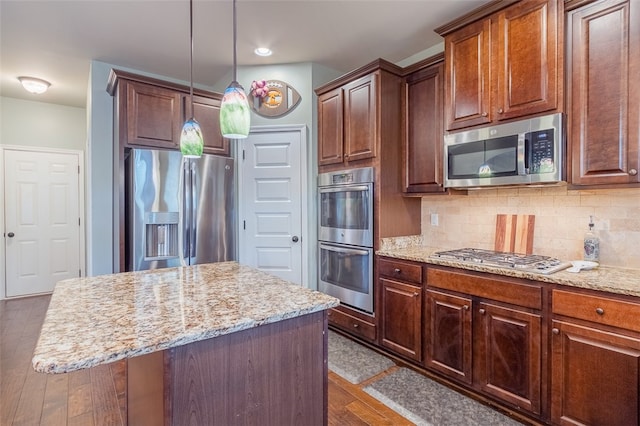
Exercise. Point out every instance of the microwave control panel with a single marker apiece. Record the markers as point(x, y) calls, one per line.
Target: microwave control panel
point(541, 151)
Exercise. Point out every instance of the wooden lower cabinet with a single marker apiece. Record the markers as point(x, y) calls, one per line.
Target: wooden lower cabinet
point(402, 318)
point(353, 322)
point(507, 362)
point(448, 339)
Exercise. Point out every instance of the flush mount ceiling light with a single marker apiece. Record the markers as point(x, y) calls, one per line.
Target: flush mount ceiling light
point(191, 141)
point(34, 85)
point(263, 51)
point(235, 118)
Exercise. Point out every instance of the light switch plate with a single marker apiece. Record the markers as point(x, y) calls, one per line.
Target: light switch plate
point(434, 219)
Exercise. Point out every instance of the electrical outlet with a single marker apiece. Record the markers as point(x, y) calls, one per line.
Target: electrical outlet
point(434, 219)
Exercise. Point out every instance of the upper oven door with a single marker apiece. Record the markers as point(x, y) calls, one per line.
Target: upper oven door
point(346, 214)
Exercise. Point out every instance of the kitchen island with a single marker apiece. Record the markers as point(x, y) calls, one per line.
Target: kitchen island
point(206, 344)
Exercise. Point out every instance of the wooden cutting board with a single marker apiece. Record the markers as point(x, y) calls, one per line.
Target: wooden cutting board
point(514, 233)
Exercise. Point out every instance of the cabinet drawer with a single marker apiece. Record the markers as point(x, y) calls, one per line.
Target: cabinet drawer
point(352, 324)
point(602, 310)
point(404, 271)
point(507, 290)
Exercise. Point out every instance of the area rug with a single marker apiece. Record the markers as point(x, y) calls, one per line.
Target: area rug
point(426, 402)
point(354, 362)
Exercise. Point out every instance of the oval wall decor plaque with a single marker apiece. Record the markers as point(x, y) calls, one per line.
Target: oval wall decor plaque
point(280, 99)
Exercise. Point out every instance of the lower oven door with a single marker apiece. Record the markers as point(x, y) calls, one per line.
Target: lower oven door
point(346, 272)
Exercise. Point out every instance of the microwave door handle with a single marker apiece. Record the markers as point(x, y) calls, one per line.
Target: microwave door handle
point(523, 154)
point(344, 250)
point(345, 189)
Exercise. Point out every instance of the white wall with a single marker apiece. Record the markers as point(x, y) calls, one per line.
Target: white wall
point(30, 123)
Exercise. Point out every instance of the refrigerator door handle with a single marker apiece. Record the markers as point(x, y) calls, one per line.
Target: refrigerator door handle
point(194, 211)
point(186, 202)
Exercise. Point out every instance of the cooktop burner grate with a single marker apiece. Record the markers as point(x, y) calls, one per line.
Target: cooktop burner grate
point(524, 262)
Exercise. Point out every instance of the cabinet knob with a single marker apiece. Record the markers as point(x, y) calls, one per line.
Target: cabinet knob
point(482, 311)
point(355, 325)
point(416, 294)
point(465, 307)
point(555, 331)
point(397, 270)
point(599, 311)
point(484, 114)
point(633, 172)
point(500, 110)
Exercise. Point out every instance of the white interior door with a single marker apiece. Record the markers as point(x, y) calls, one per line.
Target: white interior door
point(42, 229)
point(271, 204)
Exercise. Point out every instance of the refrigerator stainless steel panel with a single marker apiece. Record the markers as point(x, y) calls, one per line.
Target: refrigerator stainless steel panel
point(178, 211)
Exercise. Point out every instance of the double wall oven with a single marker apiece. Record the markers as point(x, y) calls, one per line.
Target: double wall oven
point(345, 236)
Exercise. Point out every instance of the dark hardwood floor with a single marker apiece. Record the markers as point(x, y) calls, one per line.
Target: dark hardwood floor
point(97, 396)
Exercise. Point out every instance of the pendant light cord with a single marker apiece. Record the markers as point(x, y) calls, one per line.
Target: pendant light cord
point(234, 43)
point(191, 54)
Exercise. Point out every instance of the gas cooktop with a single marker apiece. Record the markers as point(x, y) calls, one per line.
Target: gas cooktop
point(522, 262)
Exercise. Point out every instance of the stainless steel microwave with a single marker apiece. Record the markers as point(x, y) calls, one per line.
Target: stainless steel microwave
point(518, 153)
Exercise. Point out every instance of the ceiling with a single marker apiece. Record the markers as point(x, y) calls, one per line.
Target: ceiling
point(55, 40)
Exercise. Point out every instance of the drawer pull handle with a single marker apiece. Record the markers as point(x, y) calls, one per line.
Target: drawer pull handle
point(465, 307)
point(599, 311)
point(482, 311)
point(555, 331)
point(397, 270)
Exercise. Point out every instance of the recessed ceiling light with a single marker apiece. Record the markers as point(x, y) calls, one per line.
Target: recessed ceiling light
point(263, 51)
point(34, 85)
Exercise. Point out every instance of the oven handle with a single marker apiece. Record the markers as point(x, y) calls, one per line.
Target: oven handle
point(344, 250)
point(345, 189)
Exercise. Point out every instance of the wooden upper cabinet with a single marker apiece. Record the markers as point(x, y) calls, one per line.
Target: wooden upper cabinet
point(423, 156)
point(603, 93)
point(467, 82)
point(504, 66)
point(360, 118)
point(330, 134)
point(348, 122)
point(207, 112)
point(153, 114)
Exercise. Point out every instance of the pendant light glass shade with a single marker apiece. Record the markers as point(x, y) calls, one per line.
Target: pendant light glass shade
point(235, 118)
point(235, 115)
point(191, 141)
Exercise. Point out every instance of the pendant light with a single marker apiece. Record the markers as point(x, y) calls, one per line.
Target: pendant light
point(235, 119)
point(191, 142)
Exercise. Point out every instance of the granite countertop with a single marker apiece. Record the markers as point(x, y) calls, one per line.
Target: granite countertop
point(92, 321)
point(614, 280)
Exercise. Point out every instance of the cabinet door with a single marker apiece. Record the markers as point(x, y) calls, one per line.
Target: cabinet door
point(360, 118)
point(448, 338)
point(467, 76)
point(330, 130)
point(423, 154)
point(207, 112)
point(508, 355)
point(603, 61)
point(402, 318)
point(526, 47)
point(595, 376)
point(154, 116)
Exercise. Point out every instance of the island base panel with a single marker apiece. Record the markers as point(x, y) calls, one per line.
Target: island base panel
point(274, 374)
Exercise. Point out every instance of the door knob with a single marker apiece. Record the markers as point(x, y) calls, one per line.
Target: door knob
point(11, 235)
point(294, 239)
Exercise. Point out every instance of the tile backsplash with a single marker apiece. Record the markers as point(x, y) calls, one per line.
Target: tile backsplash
point(562, 218)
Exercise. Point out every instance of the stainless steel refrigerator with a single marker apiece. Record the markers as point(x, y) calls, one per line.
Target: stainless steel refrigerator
point(178, 211)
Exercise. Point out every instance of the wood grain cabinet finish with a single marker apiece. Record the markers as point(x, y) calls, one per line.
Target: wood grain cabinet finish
point(347, 122)
point(153, 114)
point(401, 311)
point(603, 92)
point(505, 66)
point(448, 335)
point(423, 154)
point(595, 362)
point(353, 322)
point(495, 348)
point(207, 112)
